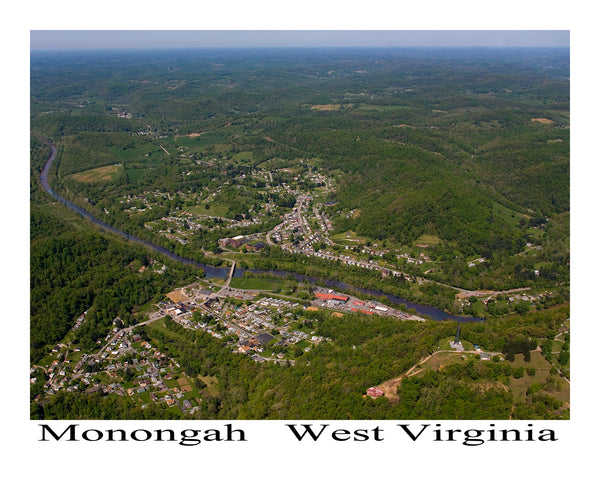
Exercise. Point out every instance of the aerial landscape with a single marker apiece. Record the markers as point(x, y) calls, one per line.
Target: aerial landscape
point(293, 233)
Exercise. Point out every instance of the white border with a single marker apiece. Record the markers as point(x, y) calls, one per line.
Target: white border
point(273, 453)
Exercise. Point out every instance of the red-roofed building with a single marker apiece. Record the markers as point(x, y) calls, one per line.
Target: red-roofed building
point(374, 392)
point(331, 296)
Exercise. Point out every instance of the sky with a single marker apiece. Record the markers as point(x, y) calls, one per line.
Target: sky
point(116, 39)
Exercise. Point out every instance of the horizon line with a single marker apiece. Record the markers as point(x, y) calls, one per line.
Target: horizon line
point(295, 47)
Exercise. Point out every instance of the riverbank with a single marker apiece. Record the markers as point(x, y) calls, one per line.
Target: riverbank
point(224, 272)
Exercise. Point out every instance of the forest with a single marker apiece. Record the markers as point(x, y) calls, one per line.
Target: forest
point(465, 150)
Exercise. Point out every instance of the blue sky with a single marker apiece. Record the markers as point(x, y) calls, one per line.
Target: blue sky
point(109, 39)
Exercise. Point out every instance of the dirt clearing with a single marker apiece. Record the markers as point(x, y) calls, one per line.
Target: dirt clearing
point(328, 107)
point(184, 384)
point(177, 296)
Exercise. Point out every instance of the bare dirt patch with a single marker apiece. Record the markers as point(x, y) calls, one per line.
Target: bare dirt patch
point(390, 388)
point(184, 384)
point(191, 135)
point(328, 107)
point(177, 296)
point(473, 293)
point(546, 121)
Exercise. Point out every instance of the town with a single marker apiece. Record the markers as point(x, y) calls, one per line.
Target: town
point(258, 322)
point(266, 328)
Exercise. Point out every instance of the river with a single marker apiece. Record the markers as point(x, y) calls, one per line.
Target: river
point(223, 272)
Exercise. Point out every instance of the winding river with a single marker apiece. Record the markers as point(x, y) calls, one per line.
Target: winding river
point(223, 272)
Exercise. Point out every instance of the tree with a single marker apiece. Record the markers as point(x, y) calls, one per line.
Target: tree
point(522, 308)
point(563, 356)
point(199, 384)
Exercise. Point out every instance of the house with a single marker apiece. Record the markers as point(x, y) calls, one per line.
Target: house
point(374, 392)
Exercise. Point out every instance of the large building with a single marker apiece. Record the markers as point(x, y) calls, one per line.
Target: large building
point(332, 296)
point(234, 242)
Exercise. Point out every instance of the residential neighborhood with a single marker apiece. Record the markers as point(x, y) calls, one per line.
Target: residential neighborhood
point(124, 365)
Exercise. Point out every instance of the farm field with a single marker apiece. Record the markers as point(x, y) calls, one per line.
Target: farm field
point(100, 174)
point(255, 284)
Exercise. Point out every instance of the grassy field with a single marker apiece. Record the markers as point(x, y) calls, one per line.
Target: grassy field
point(445, 344)
point(348, 238)
point(381, 108)
point(138, 154)
point(428, 240)
point(510, 216)
point(518, 386)
point(211, 383)
point(542, 371)
point(201, 139)
point(135, 174)
point(255, 284)
point(242, 156)
point(100, 174)
point(328, 107)
point(441, 360)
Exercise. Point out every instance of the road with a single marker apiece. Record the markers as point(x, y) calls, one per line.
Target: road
point(389, 387)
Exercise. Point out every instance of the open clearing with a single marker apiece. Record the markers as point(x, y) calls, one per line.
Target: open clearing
point(211, 384)
point(184, 384)
point(428, 239)
point(100, 174)
point(542, 372)
point(546, 121)
point(254, 284)
point(177, 296)
point(191, 135)
point(328, 107)
point(519, 386)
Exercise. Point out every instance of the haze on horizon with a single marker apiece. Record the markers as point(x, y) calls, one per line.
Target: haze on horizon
point(51, 40)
